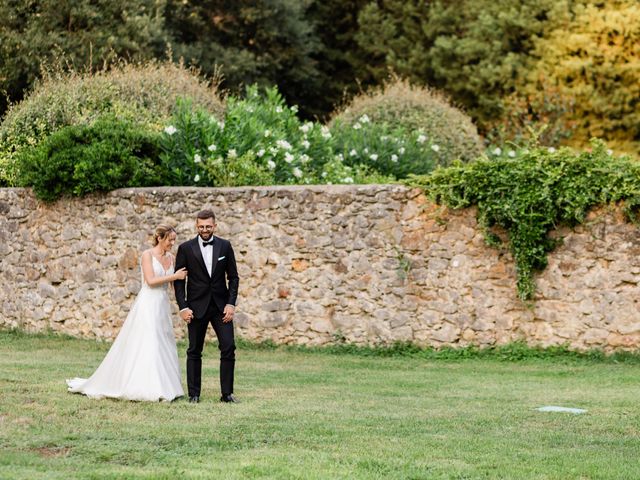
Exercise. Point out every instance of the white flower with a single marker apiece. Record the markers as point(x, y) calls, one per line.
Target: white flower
point(288, 157)
point(304, 158)
point(512, 153)
point(232, 153)
point(212, 148)
point(384, 138)
point(294, 108)
point(325, 132)
point(364, 119)
point(170, 130)
point(373, 156)
point(394, 158)
point(196, 178)
point(278, 109)
point(421, 138)
point(267, 133)
point(284, 144)
point(305, 144)
point(221, 125)
point(401, 151)
point(497, 151)
point(197, 158)
point(552, 149)
point(297, 172)
point(260, 152)
point(324, 174)
point(347, 180)
point(353, 153)
point(435, 148)
point(357, 126)
point(271, 164)
point(273, 150)
point(340, 157)
point(366, 151)
point(609, 152)
point(232, 174)
point(249, 109)
point(306, 127)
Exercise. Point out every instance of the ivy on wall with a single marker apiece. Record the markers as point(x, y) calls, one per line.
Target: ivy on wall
point(533, 193)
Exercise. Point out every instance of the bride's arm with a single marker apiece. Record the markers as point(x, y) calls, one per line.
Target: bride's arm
point(149, 277)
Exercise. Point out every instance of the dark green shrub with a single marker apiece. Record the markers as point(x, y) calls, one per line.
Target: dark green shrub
point(144, 94)
point(533, 193)
point(431, 131)
point(80, 159)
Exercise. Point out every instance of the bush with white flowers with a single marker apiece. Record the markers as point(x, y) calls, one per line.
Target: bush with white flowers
point(260, 142)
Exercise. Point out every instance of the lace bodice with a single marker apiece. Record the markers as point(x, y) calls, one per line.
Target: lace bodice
point(158, 271)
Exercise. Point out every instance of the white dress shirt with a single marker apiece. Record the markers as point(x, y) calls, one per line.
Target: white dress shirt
point(207, 254)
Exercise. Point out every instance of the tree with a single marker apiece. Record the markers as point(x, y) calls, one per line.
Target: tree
point(80, 33)
point(265, 42)
point(472, 49)
point(341, 60)
point(595, 60)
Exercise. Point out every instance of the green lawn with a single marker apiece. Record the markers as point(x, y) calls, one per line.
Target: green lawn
point(313, 415)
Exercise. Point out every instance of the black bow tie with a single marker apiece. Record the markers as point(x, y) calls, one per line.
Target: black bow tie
point(206, 244)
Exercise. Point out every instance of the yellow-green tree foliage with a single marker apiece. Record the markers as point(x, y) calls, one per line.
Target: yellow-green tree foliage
point(594, 58)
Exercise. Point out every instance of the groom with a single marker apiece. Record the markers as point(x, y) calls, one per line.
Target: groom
point(206, 298)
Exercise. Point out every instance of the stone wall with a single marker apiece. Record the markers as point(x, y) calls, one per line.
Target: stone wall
point(364, 264)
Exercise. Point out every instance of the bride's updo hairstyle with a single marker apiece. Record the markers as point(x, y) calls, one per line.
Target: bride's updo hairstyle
point(161, 233)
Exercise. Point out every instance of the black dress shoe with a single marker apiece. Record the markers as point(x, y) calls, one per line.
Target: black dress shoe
point(195, 399)
point(229, 399)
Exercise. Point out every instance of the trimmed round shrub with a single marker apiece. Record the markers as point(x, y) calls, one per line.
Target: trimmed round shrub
point(81, 159)
point(400, 107)
point(145, 94)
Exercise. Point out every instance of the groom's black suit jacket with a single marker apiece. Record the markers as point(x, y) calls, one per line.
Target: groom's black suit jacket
point(199, 289)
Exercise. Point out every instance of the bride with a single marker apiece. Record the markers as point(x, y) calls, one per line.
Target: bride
point(142, 363)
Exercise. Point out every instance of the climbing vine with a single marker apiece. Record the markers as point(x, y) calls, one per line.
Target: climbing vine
point(533, 193)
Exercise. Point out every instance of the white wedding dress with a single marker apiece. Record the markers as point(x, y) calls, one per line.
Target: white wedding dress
point(142, 363)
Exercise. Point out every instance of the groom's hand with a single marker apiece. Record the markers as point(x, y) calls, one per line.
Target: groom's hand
point(186, 315)
point(228, 312)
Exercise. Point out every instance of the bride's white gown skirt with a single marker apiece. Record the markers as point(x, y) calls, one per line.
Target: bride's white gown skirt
point(142, 363)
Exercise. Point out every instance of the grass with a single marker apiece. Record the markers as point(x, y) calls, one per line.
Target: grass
point(320, 414)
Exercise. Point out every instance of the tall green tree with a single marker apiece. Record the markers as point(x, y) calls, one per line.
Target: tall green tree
point(472, 49)
point(595, 61)
point(343, 63)
point(79, 33)
point(253, 41)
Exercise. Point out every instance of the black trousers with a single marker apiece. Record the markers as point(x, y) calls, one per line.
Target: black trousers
point(226, 344)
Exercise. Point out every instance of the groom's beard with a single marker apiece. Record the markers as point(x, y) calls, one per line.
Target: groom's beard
point(206, 236)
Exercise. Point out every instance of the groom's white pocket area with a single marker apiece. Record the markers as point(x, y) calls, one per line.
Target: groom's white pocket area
point(221, 258)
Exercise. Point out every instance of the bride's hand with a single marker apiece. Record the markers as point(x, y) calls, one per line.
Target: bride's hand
point(181, 274)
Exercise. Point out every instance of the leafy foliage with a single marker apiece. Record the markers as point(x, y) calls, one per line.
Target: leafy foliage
point(144, 94)
point(593, 59)
point(261, 141)
point(471, 49)
point(405, 113)
point(544, 115)
point(341, 59)
point(532, 194)
point(80, 159)
point(86, 33)
point(265, 42)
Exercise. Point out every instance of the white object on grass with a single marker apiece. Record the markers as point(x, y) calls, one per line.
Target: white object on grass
point(552, 408)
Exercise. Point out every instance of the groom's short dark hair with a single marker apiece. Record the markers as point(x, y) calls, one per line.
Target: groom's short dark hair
point(204, 214)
